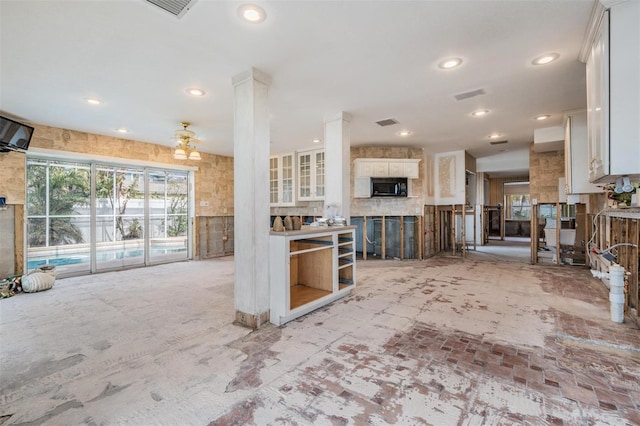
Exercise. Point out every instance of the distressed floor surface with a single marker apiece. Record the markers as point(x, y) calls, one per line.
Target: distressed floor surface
point(443, 341)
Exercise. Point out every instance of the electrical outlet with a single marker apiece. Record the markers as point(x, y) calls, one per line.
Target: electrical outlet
point(225, 237)
point(204, 203)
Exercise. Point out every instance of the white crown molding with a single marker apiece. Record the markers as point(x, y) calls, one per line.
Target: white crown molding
point(597, 12)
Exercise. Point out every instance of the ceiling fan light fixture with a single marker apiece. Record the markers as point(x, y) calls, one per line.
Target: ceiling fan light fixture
point(184, 150)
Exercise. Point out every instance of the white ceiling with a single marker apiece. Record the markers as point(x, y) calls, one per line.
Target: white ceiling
point(372, 59)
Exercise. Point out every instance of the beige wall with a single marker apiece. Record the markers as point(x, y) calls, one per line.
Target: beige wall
point(389, 206)
point(12, 177)
point(545, 168)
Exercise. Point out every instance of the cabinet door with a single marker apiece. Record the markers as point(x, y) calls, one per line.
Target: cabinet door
point(318, 181)
point(304, 176)
point(411, 170)
point(287, 179)
point(362, 187)
point(598, 102)
point(396, 169)
point(380, 169)
point(364, 169)
point(274, 180)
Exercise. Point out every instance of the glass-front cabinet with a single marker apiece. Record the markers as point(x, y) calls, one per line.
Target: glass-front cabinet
point(281, 180)
point(311, 175)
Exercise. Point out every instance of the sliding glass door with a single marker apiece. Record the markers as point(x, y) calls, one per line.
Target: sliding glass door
point(58, 215)
point(85, 217)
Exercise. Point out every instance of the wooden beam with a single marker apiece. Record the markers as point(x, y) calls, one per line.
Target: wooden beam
point(402, 237)
point(463, 238)
point(383, 249)
point(364, 238)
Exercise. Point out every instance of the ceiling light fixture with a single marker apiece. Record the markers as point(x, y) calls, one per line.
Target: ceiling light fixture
point(494, 136)
point(252, 13)
point(93, 101)
point(184, 151)
point(542, 117)
point(545, 59)
point(480, 113)
point(194, 91)
point(121, 130)
point(316, 140)
point(404, 133)
point(450, 63)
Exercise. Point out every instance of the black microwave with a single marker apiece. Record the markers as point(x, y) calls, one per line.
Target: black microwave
point(388, 187)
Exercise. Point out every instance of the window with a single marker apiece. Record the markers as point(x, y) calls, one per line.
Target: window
point(518, 207)
point(137, 216)
point(516, 200)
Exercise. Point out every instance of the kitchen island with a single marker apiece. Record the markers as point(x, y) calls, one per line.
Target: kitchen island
point(309, 268)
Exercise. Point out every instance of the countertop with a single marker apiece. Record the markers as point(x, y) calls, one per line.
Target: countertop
point(306, 230)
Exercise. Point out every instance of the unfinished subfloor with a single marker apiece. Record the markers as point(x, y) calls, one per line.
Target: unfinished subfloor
point(444, 341)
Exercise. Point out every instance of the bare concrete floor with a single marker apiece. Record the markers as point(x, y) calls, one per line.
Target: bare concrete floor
point(444, 342)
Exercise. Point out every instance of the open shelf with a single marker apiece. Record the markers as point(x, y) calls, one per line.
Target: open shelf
point(301, 295)
point(309, 268)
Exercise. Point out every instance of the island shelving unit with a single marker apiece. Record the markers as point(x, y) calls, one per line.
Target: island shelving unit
point(309, 268)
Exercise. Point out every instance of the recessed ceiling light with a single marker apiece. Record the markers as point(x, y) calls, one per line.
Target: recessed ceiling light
point(545, 59)
point(480, 113)
point(542, 117)
point(194, 91)
point(494, 136)
point(449, 63)
point(404, 133)
point(121, 130)
point(252, 13)
point(316, 140)
point(93, 101)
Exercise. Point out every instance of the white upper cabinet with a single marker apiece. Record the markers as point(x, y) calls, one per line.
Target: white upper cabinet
point(311, 175)
point(613, 84)
point(395, 167)
point(281, 180)
point(575, 154)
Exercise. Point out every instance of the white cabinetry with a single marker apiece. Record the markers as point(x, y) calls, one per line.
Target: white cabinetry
point(311, 175)
point(309, 268)
point(281, 180)
point(362, 187)
point(613, 83)
point(371, 168)
point(396, 167)
point(575, 154)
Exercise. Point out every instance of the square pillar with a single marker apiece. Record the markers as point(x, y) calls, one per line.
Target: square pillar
point(251, 197)
point(337, 163)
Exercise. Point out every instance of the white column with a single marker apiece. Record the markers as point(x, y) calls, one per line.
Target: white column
point(337, 163)
point(251, 197)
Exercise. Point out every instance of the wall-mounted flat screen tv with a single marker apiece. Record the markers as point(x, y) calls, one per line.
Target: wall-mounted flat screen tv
point(14, 136)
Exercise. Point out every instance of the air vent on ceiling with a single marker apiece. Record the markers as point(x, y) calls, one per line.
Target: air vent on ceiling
point(175, 7)
point(470, 94)
point(387, 122)
point(498, 142)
